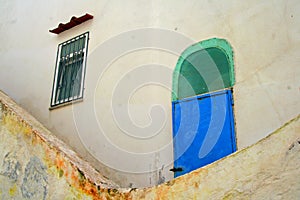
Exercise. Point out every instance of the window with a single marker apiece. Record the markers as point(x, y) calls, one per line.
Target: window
point(70, 70)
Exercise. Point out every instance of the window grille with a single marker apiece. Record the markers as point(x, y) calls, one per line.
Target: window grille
point(70, 70)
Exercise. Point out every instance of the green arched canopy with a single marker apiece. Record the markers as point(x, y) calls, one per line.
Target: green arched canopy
point(203, 67)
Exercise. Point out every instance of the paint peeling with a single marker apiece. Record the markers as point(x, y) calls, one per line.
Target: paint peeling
point(41, 170)
point(161, 178)
point(35, 181)
point(11, 167)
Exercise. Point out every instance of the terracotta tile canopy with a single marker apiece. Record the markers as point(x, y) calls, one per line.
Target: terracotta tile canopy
point(74, 21)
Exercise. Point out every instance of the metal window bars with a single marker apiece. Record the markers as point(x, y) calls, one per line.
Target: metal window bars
point(70, 69)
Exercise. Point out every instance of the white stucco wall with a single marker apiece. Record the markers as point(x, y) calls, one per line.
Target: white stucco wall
point(265, 36)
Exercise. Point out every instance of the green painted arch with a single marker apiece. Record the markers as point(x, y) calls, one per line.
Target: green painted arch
point(203, 67)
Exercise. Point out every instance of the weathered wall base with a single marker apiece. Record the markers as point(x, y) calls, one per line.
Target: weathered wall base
point(269, 169)
point(36, 165)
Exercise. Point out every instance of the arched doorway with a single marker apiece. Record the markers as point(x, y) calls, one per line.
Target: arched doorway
point(202, 105)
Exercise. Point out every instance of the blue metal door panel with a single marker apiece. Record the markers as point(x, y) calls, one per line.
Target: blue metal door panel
point(203, 130)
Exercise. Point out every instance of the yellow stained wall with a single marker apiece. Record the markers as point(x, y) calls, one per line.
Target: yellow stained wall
point(266, 170)
point(36, 165)
point(264, 36)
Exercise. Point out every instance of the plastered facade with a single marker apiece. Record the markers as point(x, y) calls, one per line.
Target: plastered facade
point(264, 36)
point(34, 164)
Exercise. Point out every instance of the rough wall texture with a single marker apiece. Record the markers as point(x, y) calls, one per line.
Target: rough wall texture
point(36, 165)
point(264, 35)
point(269, 169)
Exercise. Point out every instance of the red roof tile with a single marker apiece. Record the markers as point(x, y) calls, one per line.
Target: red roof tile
point(74, 21)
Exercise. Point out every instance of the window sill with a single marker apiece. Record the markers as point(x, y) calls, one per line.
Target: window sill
point(65, 104)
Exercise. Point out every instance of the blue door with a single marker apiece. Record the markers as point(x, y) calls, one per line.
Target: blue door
point(202, 105)
point(203, 130)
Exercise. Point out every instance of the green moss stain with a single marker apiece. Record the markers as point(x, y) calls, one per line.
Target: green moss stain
point(81, 175)
point(76, 194)
point(14, 124)
point(12, 190)
point(60, 173)
point(234, 194)
point(81, 178)
point(203, 67)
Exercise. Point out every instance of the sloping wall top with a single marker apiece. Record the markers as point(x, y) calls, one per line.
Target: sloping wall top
point(36, 165)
